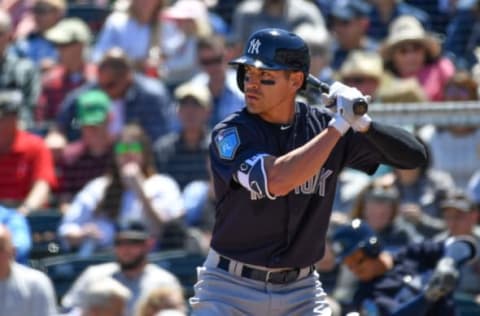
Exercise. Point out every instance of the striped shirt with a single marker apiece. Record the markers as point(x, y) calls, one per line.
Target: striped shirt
point(184, 164)
point(78, 166)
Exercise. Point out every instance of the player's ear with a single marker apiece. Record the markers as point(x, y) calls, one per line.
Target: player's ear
point(296, 78)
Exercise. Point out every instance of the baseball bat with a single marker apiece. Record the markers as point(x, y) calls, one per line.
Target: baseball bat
point(360, 105)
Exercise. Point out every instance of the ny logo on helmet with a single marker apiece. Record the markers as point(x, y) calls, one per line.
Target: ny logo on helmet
point(254, 46)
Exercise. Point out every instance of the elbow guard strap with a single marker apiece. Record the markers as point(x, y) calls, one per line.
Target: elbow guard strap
point(253, 176)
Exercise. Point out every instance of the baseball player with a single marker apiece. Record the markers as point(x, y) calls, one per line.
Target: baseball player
point(418, 280)
point(275, 166)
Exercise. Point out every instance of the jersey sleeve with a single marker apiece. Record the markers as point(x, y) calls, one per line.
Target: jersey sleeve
point(237, 154)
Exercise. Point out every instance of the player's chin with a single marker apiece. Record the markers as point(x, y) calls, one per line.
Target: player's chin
point(252, 108)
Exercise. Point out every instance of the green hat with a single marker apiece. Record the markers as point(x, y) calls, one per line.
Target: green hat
point(93, 107)
point(69, 30)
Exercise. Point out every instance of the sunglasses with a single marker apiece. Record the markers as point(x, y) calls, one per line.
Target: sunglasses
point(129, 242)
point(359, 79)
point(124, 148)
point(42, 9)
point(211, 61)
point(409, 48)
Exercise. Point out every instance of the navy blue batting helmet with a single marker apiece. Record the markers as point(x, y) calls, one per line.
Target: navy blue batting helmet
point(274, 49)
point(357, 235)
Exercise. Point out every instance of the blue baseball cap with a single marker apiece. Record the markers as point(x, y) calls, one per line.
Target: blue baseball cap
point(350, 9)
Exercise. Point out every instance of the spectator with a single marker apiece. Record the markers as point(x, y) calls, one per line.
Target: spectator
point(20, 232)
point(26, 165)
point(17, 73)
point(129, 190)
point(252, 15)
point(25, 291)
point(72, 37)
point(462, 35)
point(461, 217)
point(199, 199)
point(87, 158)
point(395, 284)
point(401, 90)
point(318, 41)
point(410, 52)
point(220, 79)
point(454, 147)
point(135, 98)
point(131, 268)
point(364, 71)
point(138, 20)
point(162, 299)
point(421, 192)
point(349, 26)
point(183, 154)
point(384, 12)
point(105, 297)
point(16, 9)
point(191, 18)
point(46, 13)
point(378, 205)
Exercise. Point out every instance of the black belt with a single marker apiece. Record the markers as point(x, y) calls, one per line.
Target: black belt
point(278, 277)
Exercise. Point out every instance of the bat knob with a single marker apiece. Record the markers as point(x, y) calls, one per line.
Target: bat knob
point(360, 106)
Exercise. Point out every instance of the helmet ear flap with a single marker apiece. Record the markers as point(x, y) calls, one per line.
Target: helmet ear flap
point(240, 77)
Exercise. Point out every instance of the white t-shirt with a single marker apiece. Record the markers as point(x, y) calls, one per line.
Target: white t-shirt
point(27, 292)
point(162, 190)
point(152, 277)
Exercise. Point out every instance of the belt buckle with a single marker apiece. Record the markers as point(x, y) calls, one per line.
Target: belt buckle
point(282, 277)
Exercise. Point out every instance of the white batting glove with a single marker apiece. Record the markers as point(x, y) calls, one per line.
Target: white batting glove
point(344, 98)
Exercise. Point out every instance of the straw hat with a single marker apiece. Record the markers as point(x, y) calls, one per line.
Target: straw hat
point(362, 63)
point(408, 28)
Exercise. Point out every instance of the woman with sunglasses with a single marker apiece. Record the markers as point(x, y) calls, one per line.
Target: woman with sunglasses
point(410, 52)
point(131, 190)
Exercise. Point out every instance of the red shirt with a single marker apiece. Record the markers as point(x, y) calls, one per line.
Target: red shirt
point(29, 160)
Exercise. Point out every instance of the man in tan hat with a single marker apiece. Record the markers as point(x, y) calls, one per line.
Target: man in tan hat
point(364, 71)
point(71, 37)
point(183, 154)
point(350, 20)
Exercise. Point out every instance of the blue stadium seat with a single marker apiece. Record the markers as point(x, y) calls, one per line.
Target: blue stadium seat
point(43, 226)
point(63, 270)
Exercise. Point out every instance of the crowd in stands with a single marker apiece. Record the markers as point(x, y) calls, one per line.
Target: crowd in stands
point(105, 113)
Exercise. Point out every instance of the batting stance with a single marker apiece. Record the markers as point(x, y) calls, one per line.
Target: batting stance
point(275, 166)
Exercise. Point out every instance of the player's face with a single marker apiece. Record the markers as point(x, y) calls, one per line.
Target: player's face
point(270, 93)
